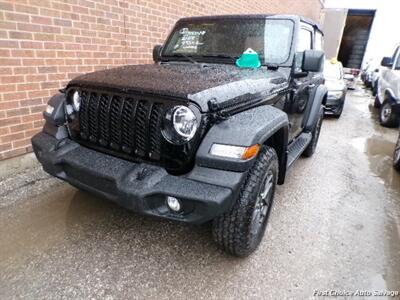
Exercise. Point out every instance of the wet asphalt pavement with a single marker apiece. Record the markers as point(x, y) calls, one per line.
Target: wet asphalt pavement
point(335, 225)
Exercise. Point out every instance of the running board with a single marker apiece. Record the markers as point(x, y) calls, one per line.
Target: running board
point(297, 147)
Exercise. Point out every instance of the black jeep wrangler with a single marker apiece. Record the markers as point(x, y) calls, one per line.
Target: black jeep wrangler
point(196, 136)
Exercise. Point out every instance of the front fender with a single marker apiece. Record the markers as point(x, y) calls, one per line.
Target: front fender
point(317, 97)
point(247, 128)
point(392, 95)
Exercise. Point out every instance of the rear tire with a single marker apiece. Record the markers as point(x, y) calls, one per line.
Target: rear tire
point(388, 116)
point(240, 230)
point(396, 155)
point(315, 135)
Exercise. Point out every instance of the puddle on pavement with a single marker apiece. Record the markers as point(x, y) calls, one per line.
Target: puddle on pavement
point(380, 156)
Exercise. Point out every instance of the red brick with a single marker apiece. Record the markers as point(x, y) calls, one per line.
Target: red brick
point(22, 143)
point(11, 137)
point(29, 27)
point(18, 35)
point(11, 79)
point(4, 147)
point(26, 9)
point(32, 45)
point(44, 36)
point(21, 127)
point(4, 131)
point(17, 112)
point(10, 62)
point(22, 53)
point(28, 86)
point(8, 88)
point(30, 102)
point(62, 22)
point(24, 70)
point(35, 78)
point(8, 105)
point(6, 6)
point(14, 96)
point(41, 20)
point(10, 121)
point(16, 17)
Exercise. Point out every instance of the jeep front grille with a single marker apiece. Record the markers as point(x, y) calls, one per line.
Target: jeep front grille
point(121, 123)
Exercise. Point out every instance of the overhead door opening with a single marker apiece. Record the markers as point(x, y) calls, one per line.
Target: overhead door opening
point(355, 37)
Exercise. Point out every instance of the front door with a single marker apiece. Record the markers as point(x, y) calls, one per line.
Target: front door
point(297, 102)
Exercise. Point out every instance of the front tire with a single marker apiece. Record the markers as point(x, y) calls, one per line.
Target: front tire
point(375, 89)
point(396, 155)
point(339, 111)
point(377, 103)
point(240, 230)
point(388, 116)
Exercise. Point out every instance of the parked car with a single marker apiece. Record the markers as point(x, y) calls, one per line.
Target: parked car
point(396, 155)
point(368, 73)
point(350, 77)
point(388, 96)
point(334, 81)
point(375, 79)
point(199, 135)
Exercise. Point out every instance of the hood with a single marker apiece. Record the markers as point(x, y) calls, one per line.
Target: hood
point(335, 84)
point(196, 82)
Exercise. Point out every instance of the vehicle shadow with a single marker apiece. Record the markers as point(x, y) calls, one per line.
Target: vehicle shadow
point(93, 220)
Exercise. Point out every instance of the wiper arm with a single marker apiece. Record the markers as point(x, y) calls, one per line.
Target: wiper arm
point(219, 56)
point(186, 56)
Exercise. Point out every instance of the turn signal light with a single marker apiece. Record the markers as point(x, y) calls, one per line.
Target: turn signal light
point(237, 152)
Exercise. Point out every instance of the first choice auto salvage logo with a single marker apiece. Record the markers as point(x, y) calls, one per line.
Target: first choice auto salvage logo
point(356, 293)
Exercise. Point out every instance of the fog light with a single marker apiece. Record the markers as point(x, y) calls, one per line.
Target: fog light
point(173, 204)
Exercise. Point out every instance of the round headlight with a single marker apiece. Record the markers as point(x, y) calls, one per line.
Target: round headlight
point(76, 100)
point(180, 125)
point(185, 122)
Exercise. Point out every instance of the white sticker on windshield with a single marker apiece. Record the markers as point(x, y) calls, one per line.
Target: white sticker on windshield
point(190, 40)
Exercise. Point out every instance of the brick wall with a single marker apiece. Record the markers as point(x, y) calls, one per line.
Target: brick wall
point(45, 43)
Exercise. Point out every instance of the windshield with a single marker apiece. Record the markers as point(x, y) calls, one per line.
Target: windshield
point(332, 71)
point(229, 38)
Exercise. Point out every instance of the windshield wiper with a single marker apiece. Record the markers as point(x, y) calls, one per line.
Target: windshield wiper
point(191, 59)
point(219, 56)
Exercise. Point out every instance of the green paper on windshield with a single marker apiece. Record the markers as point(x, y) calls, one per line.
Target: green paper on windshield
point(248, 59)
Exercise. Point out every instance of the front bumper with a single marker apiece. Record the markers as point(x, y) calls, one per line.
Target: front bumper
point(204, 192)
point(334, 104)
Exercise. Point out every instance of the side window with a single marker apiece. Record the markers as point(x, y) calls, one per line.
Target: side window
point(304, 43)
point(305, 40)
point(319, 41)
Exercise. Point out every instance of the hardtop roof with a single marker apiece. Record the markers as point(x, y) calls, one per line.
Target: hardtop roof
point(253, 16)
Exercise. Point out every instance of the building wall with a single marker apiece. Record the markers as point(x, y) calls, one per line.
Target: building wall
point(333, 26)
point(45, 43)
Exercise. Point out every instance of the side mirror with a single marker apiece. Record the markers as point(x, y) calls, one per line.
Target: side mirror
point(157, 53)
point(313, 61)
point(387, 62)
